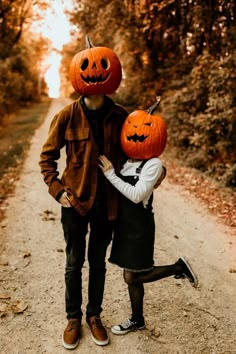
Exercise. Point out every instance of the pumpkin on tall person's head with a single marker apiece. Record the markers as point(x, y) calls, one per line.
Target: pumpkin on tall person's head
point(95, 71)
point(144, 134)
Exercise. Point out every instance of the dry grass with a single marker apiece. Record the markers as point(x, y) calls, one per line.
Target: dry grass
point(15, 136)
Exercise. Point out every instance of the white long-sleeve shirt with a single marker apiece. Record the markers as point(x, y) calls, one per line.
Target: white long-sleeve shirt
point(148, 177)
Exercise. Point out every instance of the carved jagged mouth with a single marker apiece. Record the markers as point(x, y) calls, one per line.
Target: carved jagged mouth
point(135, 138)
point(95, 79)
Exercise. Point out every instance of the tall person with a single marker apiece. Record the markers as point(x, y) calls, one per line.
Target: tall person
point(88, 127)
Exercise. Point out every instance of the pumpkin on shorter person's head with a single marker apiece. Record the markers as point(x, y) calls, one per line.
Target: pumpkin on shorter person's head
point(144, 134)
point(95, 71)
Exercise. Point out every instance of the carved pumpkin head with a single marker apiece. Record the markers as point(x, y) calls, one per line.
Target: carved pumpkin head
point(95, 71)
point(144, 135)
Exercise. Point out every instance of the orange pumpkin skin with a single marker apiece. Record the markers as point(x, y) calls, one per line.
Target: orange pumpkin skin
point(143, 135)
point(95, 71)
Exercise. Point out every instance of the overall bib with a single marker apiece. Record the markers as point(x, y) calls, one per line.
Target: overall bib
point(134, 234)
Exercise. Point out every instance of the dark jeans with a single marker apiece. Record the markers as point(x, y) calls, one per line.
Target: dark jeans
point(75, 229)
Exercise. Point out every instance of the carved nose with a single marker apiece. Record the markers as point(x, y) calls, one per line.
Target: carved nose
point(94, 66)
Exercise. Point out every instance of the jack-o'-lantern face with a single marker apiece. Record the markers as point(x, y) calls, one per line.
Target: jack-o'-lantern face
point(95, 71)
point(144, 135)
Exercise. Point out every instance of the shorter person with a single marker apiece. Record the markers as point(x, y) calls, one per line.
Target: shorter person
point(134, 235)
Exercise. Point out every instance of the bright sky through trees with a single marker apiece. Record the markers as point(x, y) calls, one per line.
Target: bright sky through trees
point(55, 26)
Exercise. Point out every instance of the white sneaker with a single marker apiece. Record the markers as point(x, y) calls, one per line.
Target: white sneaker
point(127, 326)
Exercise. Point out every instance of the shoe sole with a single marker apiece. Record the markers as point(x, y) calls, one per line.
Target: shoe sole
point(98, 342)
point(194, 283)
point(70, 346)
point(120, 333)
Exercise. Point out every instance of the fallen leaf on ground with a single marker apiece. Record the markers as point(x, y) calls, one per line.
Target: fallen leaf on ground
point(5, 296)
point(19, 306)
point(232, 270)
point(48, 215)
point(4, 263)
point(3, 307)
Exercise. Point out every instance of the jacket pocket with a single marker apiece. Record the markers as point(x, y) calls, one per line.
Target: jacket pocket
point(77, 134)
point(77, 140)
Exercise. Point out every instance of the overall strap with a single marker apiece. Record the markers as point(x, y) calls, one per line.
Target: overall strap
point(139, 168)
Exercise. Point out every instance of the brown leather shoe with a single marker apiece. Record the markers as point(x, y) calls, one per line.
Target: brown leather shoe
point(72, 333)
point(98, 331)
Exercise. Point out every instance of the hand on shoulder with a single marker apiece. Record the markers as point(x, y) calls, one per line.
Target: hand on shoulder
point(105, 164)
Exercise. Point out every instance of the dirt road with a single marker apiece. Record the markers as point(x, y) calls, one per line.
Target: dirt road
point(179, 318)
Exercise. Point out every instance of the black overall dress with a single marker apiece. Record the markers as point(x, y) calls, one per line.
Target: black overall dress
point(134, 234)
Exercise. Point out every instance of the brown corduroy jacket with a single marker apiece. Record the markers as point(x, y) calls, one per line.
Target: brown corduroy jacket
point(70, 128)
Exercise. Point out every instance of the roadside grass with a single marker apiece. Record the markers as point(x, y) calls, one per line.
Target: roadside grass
point(15, 138)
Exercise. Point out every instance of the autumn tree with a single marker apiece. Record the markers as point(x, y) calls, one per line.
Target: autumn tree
point(14, 16)
point(18, 49)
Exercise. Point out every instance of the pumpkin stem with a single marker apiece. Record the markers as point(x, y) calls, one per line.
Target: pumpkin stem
point(89, 44)
point(154, 106)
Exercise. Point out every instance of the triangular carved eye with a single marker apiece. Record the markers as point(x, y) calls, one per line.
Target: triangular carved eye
point(84, 64)
point(148, 124)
